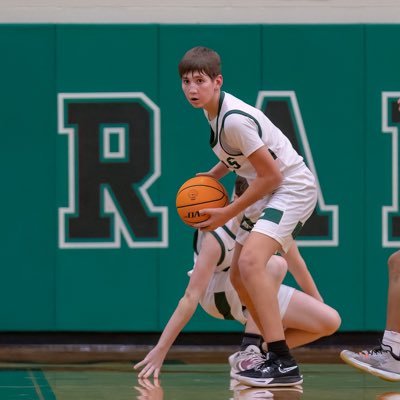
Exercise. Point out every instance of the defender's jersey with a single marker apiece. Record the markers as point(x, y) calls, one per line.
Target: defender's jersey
point(240, 129)
point(225, 236)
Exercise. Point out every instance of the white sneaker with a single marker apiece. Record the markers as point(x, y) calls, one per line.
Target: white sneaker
point(246, 359)
point(380, 362)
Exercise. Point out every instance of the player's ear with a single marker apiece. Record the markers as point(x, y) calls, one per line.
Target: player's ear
point(219, 81)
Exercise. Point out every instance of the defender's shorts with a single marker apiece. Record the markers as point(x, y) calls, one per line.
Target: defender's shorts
point(222, 301)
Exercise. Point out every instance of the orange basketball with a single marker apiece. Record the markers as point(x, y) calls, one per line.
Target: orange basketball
point(198, 193)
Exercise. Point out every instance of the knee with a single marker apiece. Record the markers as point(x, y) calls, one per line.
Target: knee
point(331, 323)
point(247, 264)
point(394, 265)
point(277, 266)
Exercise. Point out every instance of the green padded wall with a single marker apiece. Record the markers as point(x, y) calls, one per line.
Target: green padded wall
point(332, 87)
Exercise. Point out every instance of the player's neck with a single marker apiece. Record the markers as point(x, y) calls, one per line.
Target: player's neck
point(212, 107)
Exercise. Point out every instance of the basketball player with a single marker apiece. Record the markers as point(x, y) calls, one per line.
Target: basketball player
point(384, 361)
point(305, 317)
point(282, 191)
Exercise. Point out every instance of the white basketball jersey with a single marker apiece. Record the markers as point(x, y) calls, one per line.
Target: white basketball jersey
point(240, 129)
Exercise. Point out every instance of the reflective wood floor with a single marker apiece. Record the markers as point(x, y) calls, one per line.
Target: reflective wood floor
point(117, 381)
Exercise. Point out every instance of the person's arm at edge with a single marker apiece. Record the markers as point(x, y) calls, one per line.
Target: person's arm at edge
point(204, 268)
point(298, 268)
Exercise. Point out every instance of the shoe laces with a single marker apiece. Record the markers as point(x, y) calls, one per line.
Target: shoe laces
point(268, 360)
point(378, 350)
point(256, 358)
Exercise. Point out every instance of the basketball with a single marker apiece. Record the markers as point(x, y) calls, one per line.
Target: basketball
point(198, 193)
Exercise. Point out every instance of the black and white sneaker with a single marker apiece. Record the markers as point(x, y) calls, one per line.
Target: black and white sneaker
point(274, 372)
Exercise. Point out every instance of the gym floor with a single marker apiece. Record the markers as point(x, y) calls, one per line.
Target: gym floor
point(33, 369)
point(117, 381)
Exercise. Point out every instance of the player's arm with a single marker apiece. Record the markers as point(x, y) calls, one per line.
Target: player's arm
point(218, 171)
point(298, 268)
point(204, 268)
point(268, 179)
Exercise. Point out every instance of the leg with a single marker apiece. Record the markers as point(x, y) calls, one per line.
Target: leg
point(277, 267)
point(259, 285)
point(257, 289)
point(307, 319)
point(391, 336)
point(384, 361)
point(393, 305)
point(251, 354)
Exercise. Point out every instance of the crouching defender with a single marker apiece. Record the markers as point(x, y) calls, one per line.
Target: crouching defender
point(304, 315)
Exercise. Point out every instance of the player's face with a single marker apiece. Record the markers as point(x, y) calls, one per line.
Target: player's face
point(200, 90)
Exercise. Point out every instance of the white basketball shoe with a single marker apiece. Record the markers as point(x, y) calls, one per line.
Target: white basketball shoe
point(246, 359)
point(380, 361)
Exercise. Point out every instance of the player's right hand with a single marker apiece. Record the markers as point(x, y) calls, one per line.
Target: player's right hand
point(150, 365)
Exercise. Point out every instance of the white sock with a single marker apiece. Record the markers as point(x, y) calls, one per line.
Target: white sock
point(392, 339)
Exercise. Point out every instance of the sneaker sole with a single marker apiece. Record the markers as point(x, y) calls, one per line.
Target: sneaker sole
point(233, 374)
point(354, 363)
point(385, 375)
point(269, 382)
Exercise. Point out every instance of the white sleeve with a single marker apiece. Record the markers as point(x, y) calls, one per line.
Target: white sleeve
point(242, 133)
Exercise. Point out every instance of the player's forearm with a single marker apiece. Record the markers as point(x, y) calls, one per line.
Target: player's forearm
point(298, 268)
point(218, 171)
point(306, 282)
point(260, 187)
point(181, 316)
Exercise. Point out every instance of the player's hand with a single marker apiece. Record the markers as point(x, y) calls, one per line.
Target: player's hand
point(218, 217)
point(207, 174)
point(149, 390)
point(151, 364)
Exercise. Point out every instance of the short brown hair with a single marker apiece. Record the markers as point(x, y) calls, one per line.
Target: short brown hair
point(240, 185)
point(201, 59)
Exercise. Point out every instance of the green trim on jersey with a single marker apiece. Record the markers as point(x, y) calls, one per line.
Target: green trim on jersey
point(245, 114)
point(223, 307)
point(229, 232)
point(214, 135)
point(221, 243)
point(297, 229)
point(195, 239)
